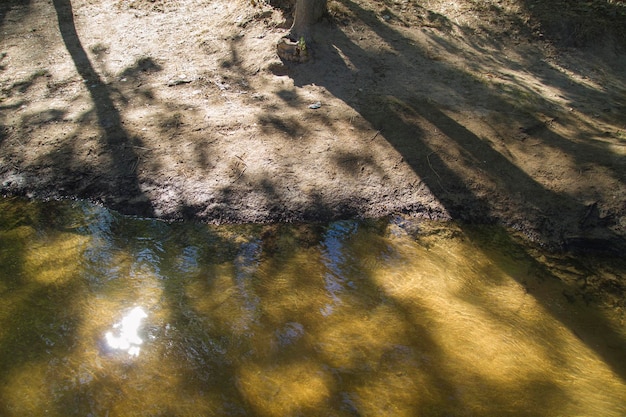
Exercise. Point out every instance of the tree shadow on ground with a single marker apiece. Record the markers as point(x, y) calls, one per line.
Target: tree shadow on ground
point(21, 6)
point(448, 157)
point(116, 141)
point(580, 23)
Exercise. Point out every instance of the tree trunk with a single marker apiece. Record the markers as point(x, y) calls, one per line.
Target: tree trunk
point(307, 13)
point(295, 47)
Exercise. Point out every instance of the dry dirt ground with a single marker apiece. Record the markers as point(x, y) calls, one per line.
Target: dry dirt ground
point(494, 111)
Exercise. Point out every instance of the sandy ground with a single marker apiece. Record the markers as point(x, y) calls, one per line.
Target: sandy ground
point(485, 112)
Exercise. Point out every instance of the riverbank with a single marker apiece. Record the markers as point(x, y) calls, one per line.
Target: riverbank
point(181, 110)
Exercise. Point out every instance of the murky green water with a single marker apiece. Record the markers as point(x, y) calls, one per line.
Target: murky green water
point(102, 315)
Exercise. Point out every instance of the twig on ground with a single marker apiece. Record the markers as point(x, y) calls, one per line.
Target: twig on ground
point(138, 147)
point(135, 164)
point(245, 166)
point(240, 175)
point(433, 169)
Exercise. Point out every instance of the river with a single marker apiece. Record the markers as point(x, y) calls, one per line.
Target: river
point(106, 315)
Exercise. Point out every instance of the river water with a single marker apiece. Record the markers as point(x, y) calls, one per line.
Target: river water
point(105, 315)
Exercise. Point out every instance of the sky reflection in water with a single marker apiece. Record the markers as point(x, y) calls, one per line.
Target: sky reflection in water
point(125, 334)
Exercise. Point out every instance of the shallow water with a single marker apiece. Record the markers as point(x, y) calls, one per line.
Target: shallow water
point(104, 315)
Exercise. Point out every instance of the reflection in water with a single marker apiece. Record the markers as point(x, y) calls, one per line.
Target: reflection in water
point(334, 259)
point(354, 318)
point(125, 335)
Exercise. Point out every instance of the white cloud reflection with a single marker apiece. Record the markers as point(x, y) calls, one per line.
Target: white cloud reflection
point(125, 336)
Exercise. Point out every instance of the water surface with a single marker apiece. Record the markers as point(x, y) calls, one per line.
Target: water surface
point(104, 315)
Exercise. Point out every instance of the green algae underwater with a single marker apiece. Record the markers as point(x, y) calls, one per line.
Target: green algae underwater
point(106, 315)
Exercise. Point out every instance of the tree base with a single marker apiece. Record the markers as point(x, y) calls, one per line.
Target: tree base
point(291, 51)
